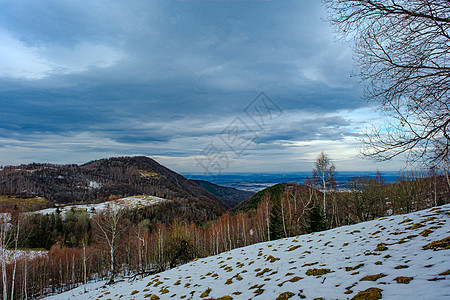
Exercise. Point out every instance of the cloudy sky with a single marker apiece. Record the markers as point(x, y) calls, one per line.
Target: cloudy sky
point(179, 81)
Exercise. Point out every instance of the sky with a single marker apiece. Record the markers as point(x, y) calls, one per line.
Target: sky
point(199, 85)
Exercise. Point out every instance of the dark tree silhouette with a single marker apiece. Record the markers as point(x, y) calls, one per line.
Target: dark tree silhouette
point(276, 222)
point(316, 220)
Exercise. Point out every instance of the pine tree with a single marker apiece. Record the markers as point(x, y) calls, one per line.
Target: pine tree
point(276, 222)
point(317, 221)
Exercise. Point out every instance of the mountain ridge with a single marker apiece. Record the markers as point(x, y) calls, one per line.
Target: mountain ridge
point(99, 180)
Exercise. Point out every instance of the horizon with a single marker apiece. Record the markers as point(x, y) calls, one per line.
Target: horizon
point(203, 173)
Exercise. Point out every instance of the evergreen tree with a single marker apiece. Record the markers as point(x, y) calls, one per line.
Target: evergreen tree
point(316, 220)
point(276, 222)
point(59, 226)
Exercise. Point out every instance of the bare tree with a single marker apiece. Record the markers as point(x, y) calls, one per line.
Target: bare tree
point(16, 218)
point(324, 175)
point(402, 49)
point(109, 225)
point(5, 242)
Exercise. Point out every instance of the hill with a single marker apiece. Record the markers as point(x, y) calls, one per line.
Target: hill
point(134, 202)
point(103, 179)
point(230, 196)
point(393, 257)
point(274, 192)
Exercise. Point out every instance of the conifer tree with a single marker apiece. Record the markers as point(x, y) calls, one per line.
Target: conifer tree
point(316, 220)
point(276, 222)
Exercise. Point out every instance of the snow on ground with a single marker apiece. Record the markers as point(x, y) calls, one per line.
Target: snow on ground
point(388, 254)
point(9, 255)
point(94, 185)
point(134, 201)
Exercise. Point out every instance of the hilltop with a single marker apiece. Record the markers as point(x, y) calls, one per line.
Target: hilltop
point(392, 257)
point(104, 179)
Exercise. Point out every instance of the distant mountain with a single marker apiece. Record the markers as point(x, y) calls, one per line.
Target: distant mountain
point(230, 196)
point(104, 179)
point(274, 192)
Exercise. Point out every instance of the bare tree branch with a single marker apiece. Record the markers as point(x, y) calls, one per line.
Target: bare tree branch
point(402, 49)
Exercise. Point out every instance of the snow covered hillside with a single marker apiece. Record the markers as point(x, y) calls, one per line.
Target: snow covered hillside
point(393, 258)
point(134, 202)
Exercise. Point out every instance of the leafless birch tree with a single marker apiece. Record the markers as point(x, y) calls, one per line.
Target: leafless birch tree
point(324, 175)
point(5, 241)
point(109, 225)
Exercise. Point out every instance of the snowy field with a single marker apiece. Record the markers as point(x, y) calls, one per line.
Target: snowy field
point(132, 202)
point(389, 255)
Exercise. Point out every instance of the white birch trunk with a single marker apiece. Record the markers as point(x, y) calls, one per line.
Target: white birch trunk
point(16, 240)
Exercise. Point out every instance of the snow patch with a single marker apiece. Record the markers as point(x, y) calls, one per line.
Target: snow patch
point(93, 209)
point(10, 255)
point(94, 185)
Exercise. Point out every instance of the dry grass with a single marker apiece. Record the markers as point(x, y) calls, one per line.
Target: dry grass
point(369, 294)
point(317, 272)
point(439, 245)
point(372, 277)
point(403, 279)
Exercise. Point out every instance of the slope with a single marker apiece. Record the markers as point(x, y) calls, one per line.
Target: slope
point(274, 192)
point(392, 258)
point(230, 196)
